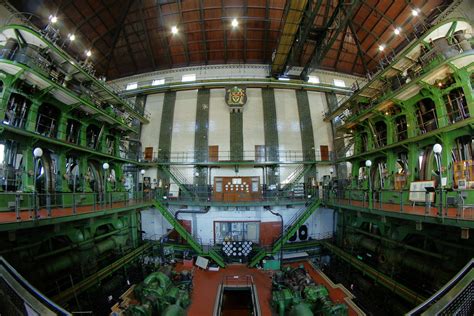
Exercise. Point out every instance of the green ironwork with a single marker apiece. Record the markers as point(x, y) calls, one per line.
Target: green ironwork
point(291, 229)
point(187, 236)
point(392, 285)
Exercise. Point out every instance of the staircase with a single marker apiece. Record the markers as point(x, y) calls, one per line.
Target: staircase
point(291, 228)
point(344, 148)
point(294, 177)
point(187, 236)
point(179, 179)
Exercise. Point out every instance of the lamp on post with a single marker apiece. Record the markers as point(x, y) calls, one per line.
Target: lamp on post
point(437, 149)
point(105, 166)
point(37, 154)
point(142, 172)
point(368, 164)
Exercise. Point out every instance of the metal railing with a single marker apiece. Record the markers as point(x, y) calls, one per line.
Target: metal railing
point(454, 298)
point(204, 194)
point(425, 63)
point(20, 206)
point(37, 62)
point(453, 204)
point(420, 129)
point(246, 155)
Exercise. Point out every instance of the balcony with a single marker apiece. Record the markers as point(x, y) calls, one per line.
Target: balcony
point(19, 208)
point(453, 210)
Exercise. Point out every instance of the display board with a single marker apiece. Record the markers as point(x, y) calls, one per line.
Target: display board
point(418, 191)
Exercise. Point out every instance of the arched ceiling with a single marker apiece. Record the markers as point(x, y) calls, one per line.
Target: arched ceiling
point(127, 37)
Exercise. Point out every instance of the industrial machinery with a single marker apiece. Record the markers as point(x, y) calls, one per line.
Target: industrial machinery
point(161, 293)
point(295, 293)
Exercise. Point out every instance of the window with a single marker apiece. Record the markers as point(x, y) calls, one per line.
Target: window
point(236, 180)
point(2, 153)
point(219, 185)
point(158, 82)
point(131, 86)
point(313, 79)
point(188, 78)
point(255, 185)
point(339, 83)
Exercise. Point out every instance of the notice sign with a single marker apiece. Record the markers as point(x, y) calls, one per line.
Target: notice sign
point(418, 191)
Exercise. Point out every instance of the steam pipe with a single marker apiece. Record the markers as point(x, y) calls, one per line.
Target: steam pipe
point(281, 234)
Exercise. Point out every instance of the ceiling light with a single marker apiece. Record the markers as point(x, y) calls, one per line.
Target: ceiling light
point(415, 12)
point(72, 37)
point(88, 53)
point(381, 47)
point(174, 29)
point(53, 19)
point(397, 31)
point(235, 23)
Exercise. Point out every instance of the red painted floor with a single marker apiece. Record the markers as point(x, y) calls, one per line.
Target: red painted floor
point(205, 285)
point(450, 212)
point(6, 217)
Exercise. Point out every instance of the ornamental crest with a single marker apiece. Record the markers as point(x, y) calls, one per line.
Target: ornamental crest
point(235, 97)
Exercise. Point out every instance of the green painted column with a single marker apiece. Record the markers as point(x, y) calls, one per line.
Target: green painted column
point(62, 126)
point(5, 95)
point(117, 145)
point(413, 154)
point(201, 135)
point(306, 131)
point(32, 117)
point(463, 78)
point(306, 125)
point(236, 136)
point(270, 133)
point(83, 166)
point(446, 158)
point(83, 134)
point(134, 228)
point(391, 130)
point(412, 124)
point(27, 178)
point(166, 132)
point(331, 100)
point(357, 143)
point(62, 184)
point(355, 172)
point(441, 112)
point(391, 170)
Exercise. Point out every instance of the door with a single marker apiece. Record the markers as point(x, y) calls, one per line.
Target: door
point(214, 153)
point(148, 153)
point(324, 152)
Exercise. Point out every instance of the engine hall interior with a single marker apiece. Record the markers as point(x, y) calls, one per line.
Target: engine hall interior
point(237, 157)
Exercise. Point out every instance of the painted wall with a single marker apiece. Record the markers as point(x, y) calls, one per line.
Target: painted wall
point(320, 224)
point(183, 128)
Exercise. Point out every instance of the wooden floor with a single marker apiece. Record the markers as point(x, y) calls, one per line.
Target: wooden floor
point(206, 283)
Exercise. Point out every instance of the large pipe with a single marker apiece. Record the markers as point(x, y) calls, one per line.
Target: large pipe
point(73, 257)
point(397, 257)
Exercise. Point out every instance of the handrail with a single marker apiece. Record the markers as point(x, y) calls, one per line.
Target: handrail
point(429, 306)
point(25, 292)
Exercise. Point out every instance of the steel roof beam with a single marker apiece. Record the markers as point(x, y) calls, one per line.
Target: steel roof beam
point(164, 40)
point(147, 36)
point(336, 24)
point(203, 31)
point(294, 12)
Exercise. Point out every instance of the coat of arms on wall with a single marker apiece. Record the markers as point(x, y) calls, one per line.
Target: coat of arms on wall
point(235, 98)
